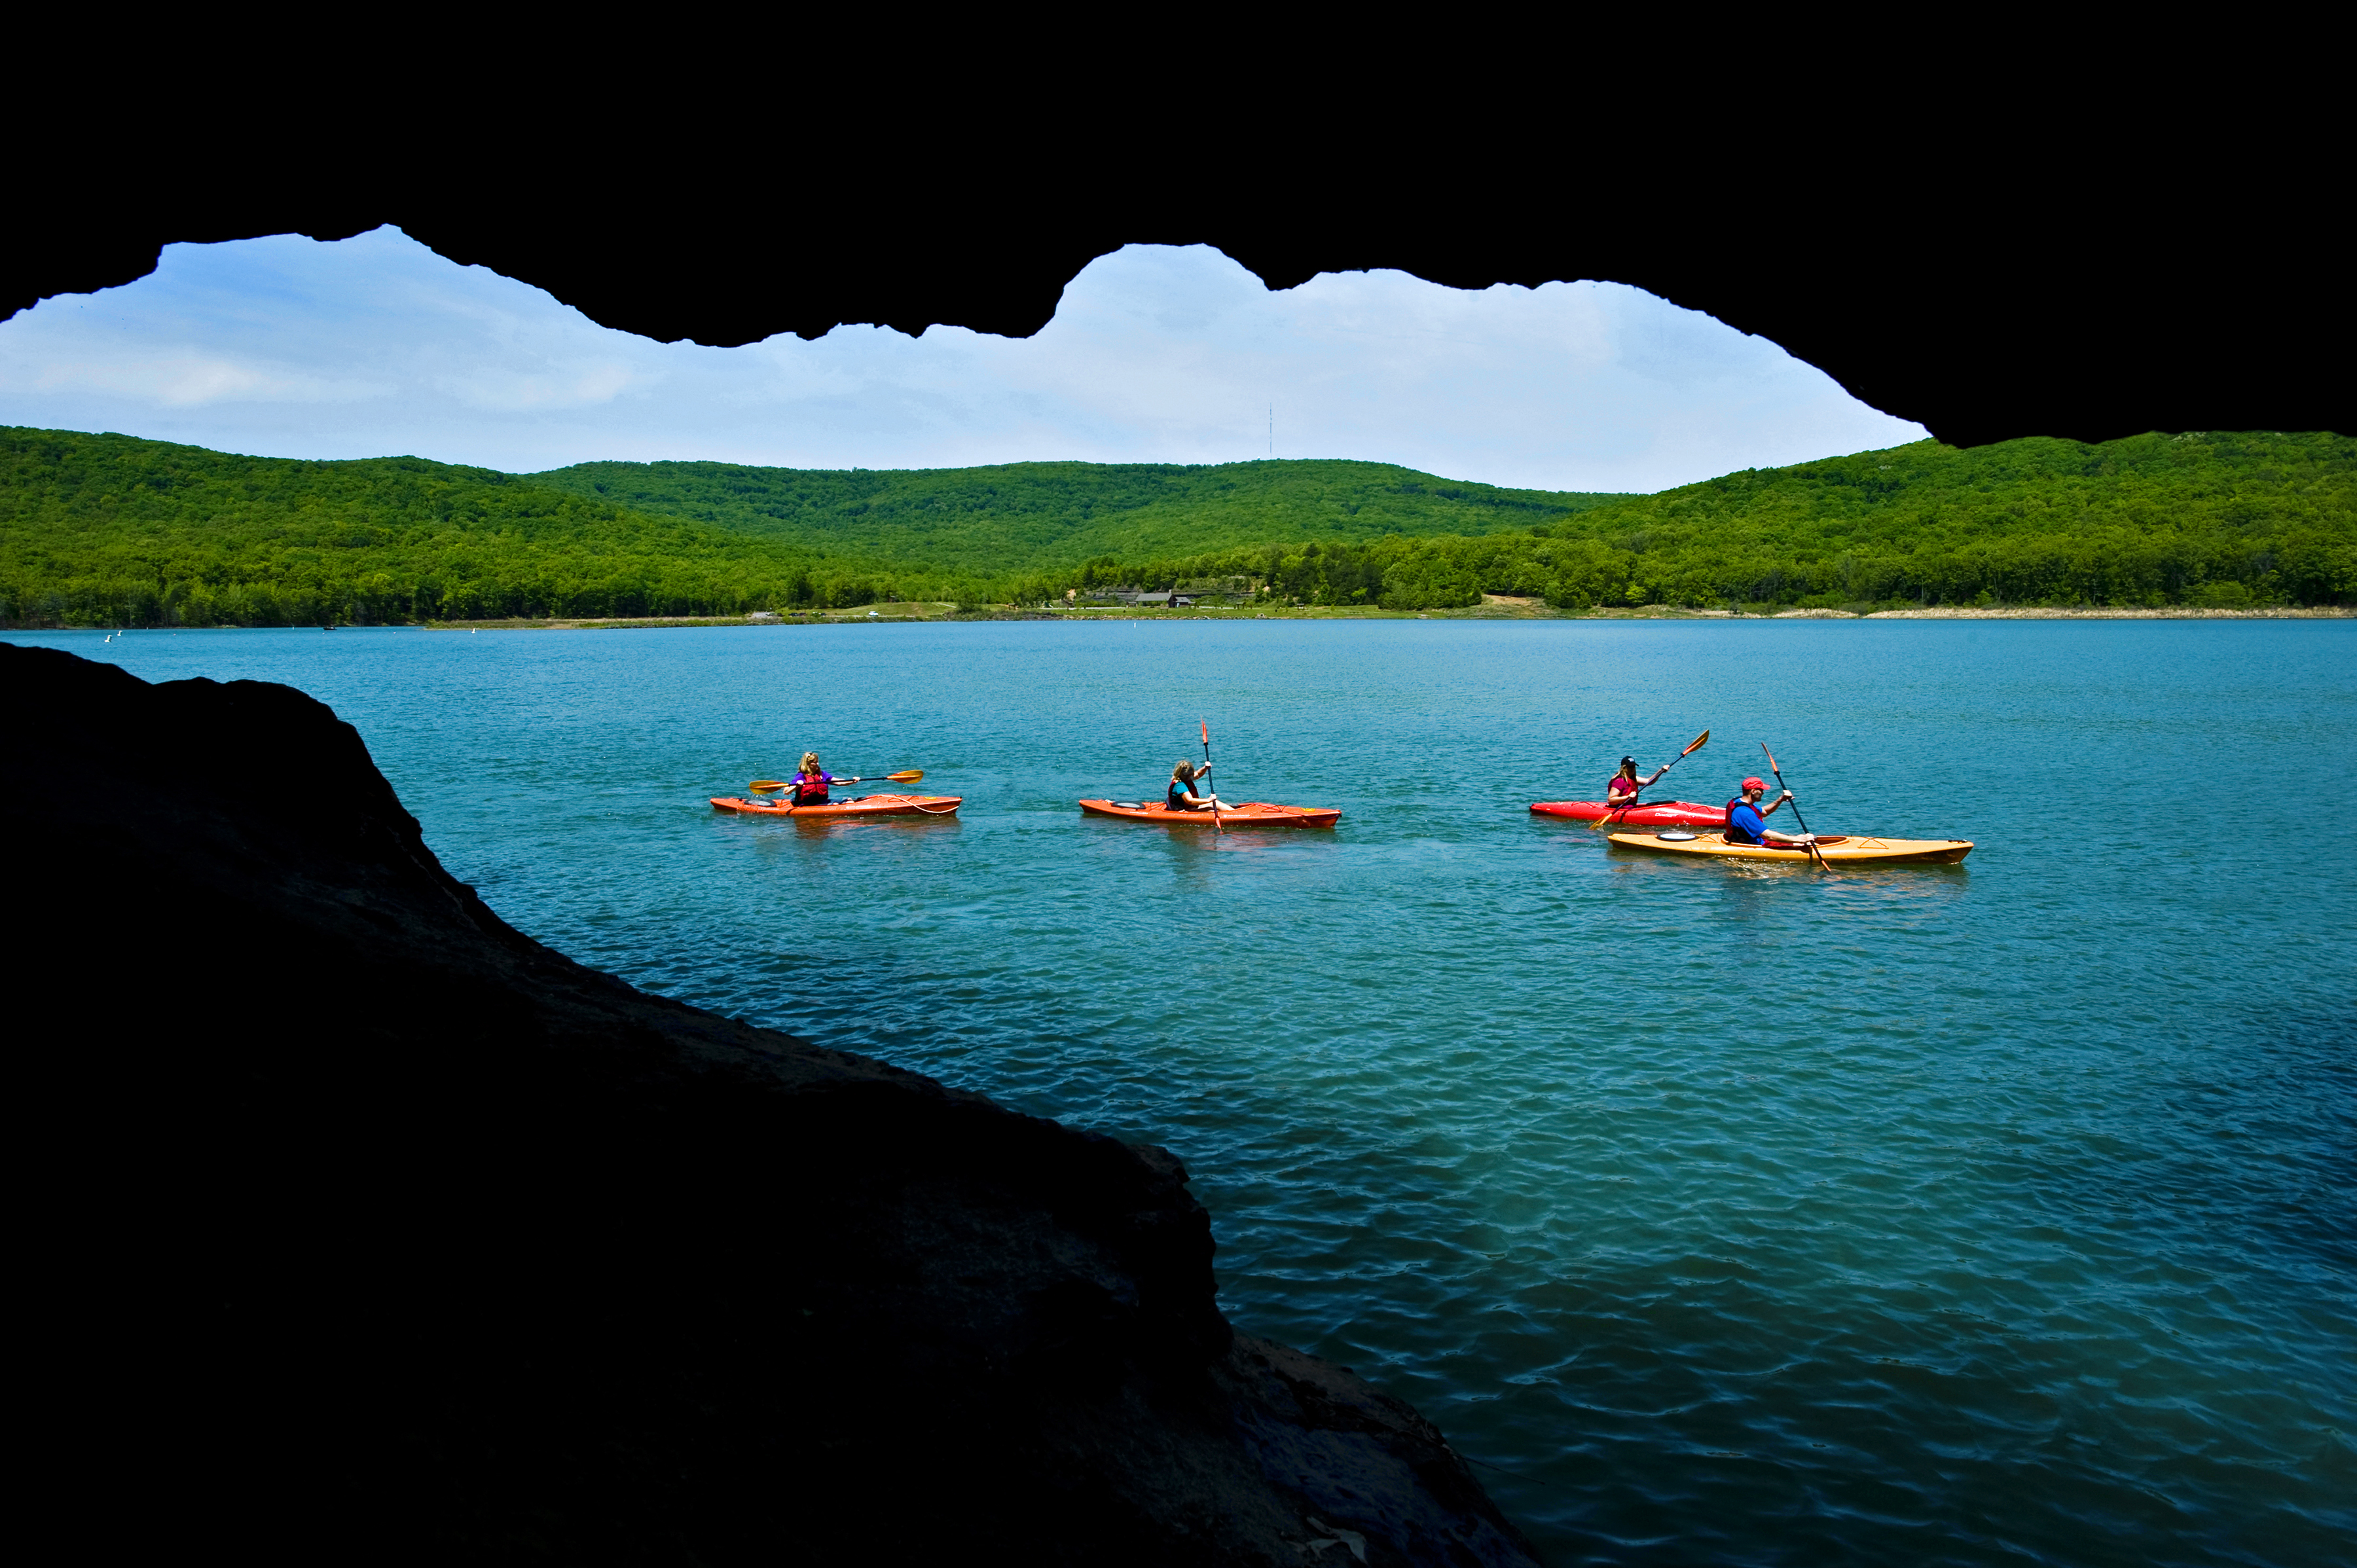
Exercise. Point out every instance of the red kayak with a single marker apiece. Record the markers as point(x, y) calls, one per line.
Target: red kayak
point(1655, 814)
point(865, 806)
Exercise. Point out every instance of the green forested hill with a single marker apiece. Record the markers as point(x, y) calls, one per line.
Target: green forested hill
point(109, 529)
point(2199, 518)
point(1039, 517)
point(113, 529)
point(2147, 519)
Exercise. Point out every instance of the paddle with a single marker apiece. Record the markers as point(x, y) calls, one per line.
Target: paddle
point(771, 786)
point(1217, 826)
point(1623, 810)
point(1815, 854)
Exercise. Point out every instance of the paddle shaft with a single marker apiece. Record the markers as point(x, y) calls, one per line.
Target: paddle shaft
point(1816, 853)
point(905, 776)
point(1217, 826)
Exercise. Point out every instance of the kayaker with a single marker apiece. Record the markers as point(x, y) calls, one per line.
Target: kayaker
point(1746, 823)
point(1622, 790)
point(810, 784)
point(1181, 795)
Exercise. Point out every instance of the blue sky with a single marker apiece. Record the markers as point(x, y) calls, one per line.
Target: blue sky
point(375, 345)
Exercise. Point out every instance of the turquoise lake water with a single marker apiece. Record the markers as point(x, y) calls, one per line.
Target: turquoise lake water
point(1729, 1214)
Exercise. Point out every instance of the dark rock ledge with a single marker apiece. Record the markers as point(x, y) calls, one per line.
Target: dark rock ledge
point(355, 1224)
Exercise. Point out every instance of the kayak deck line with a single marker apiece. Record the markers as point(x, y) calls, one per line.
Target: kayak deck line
point(1836, 849)
point(864, 805)
point(1652, 814)
point(1251, 814)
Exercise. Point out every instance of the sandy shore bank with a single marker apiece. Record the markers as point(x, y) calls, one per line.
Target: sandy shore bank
point(1494, 607)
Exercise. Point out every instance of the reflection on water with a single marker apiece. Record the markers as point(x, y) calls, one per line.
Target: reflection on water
point(1740, 1213)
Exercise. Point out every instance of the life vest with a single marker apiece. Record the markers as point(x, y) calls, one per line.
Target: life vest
point(808, 792)
point(1732, 830)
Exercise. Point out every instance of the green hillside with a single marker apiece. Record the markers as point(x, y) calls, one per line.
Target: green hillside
point(1039, 517)
point(2204, 518)
point(105, 530)
point(110, 530)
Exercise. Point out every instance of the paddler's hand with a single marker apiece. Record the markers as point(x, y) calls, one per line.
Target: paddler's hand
point(1785, 797)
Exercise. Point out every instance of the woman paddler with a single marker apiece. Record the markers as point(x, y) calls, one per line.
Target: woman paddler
point(810, 783)
point(1622, 790)
point(1181, 796)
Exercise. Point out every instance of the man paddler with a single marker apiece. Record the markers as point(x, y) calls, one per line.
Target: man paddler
point(1746, 823)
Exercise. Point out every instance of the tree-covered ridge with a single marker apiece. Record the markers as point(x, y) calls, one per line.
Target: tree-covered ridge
point(2149, 519)
point(2201, 519)
point(110, 528)
point(1032, 517)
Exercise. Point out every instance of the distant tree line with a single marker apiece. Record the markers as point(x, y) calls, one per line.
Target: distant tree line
point(2208, 520)
point(107, 530)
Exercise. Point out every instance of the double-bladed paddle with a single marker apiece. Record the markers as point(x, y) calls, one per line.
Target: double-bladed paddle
point(1623, 810)
point(771, 785)
point(1815, 854)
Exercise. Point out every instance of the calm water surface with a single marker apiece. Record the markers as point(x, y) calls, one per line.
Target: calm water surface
point(1732, 1215)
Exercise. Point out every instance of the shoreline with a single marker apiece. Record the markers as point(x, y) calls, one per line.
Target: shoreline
point(931, 614)
point(904, 614)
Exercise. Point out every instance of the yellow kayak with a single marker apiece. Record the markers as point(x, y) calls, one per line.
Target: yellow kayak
point(1838, 849)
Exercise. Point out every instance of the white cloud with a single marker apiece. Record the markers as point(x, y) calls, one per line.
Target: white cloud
point(375, 345)
point(511, 391)
point(191, 378)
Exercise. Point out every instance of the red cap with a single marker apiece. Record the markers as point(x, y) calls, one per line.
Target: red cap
point(1753, 784)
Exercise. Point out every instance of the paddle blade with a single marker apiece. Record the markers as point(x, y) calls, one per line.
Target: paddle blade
point(1771, 761)
point(1699, 742)
point(907, 776)
point(1207, 733)
point(766, 785)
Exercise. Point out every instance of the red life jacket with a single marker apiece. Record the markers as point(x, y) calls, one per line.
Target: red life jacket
point(808, 791)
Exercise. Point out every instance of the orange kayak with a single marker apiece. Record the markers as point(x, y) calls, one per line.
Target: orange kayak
point(1251, 814)
point(867, 806)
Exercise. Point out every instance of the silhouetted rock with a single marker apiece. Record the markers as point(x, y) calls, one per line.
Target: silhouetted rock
point(366, 1226)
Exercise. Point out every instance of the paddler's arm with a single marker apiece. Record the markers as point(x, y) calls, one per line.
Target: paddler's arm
point(1796, 840)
